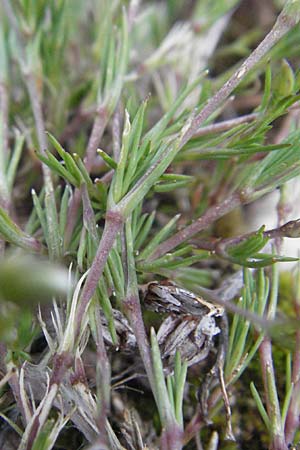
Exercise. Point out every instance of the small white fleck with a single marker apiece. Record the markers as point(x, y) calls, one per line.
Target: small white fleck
point(241, 72)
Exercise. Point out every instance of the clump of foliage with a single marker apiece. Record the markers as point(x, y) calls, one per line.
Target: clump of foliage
point(119, 155)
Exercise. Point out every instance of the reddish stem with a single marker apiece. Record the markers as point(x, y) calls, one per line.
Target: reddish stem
point(209, 217)
point(113, 225)
point(282, 25)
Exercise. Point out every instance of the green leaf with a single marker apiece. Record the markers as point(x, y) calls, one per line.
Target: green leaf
point(143, 229)
point(163, 401)
point(63, 213)
point(248, 247)
point(67, 158)
point(107, 309)
point(109, 161)
point(169, 187)
point(14, 161)
point(159, 237)
point(267, 89)
point(260, 405)
point(40, 213)
point(284, 81)
point(118, 180)
point(10, 232)
point(57, 167)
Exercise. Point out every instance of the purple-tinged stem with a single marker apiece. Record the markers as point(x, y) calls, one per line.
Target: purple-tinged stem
point(116, 133)
point(14, 384)
point(209, 217)
point(132, 305)
point(113, 225)
point(5, 200)
point(4, 102)
point(132, 12)
point(282, 25)
point(34, 96)
point(104, 383)
point(72, 216)
point(62, 362)
point(99, 125)
point(171, 438)
point(193, 427)
point(225, 125)
point(133, 311)
point(290, 229)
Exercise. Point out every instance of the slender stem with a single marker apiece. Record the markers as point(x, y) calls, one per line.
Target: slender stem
point(5, 200)
point(14, 384)
point(171, 438)
point(4, 102)
point(99, 125)
point(209, 217)
point(292, 418)
point(133, 311)
point(133, 307)
point(89, 220)
point(31, 84)
point(98, 128)
point(4, 108)
point(76, 123)
point(289, 229)
point(219, 246)
point(104, 383)
point(113, 225)
point(132, 12)
point(268, 374)
point(72, 216)
point(225, 124)
point(5, 195)
point(61, 363)
point(116, 134)
point(282, 25)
